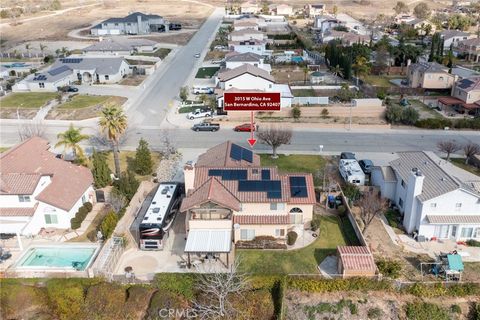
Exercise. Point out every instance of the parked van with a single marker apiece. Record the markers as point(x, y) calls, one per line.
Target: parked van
point(201, 90)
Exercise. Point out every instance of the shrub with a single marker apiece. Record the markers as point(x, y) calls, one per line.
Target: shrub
point(394, 113)
point(425, 311)
point(375, 313)
point(66, 297)
point(433, 123)
point(473, 243)
point(23, 301)
point(88, 206)
point(310, 284)
point(410, 116)
point(439, 290)
point(104, 301)
point(296, 112)
point(100, 171)
point(315, 224)
point(75, 223)
point(389, 268)
point(291, 238)
point(137, 302)
point(143, 158)
point(351, 191)
point(165, 300)
point(455, 308)
point(108, 224)
point(253, 304)
point(92, 235)
point(324, 113)
point(81, 214)
point(127, 185)
point(179, 283)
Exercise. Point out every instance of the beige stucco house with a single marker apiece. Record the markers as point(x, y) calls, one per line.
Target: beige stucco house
point(228, 192)
point(465, 97)
point(429, 75)
point(470, 48)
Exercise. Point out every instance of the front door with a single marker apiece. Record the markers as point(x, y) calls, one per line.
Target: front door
point(441, 231)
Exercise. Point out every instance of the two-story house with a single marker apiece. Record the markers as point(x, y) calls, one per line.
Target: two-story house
point(230, 197)
point(38, 190)
point(253, 46)
point(247, 34)
point(282, 9)
point(234, 60)
point(246, 23)
point(429, 75)
point(250, 7)
point(316, 9)
point(436, 199)
point(470, 48)
point(453, 37)
point(134, 23)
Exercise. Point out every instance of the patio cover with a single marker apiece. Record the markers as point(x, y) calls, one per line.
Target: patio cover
point(455, 262)
point(450, 101)
point(454, 219)
point(209, 240)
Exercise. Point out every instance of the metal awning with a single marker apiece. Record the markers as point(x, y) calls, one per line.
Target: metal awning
point(209, 240)
point(455, 262)
point(453, 219)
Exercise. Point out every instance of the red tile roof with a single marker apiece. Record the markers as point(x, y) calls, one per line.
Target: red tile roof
point(18, 212)
point(356, 258)
point(69, 181)
point(219, 156)
point(261, 219)
point(18, 183)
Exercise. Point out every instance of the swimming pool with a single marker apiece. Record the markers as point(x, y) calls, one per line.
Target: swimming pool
point(297, 59)
point(68, 256)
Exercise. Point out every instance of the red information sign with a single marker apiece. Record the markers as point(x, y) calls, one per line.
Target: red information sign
point(251, 101)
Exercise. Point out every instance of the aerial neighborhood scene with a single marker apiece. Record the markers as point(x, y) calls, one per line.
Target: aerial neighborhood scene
point(231, 159)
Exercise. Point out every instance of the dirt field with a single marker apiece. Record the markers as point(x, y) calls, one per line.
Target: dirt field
point(359, 305)
point(10, 113)
point(80, 113)
point(133, 80)
point(189, 13)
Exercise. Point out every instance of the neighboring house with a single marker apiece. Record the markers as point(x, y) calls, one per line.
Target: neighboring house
point(313, 10)
point(252, 46)
point(234, 60)
point(66, 71)
point(281, 9)
point(465, 97)
point(327, 23)
point(420, 24)
point(134, 23)
point(4, 72)
point(248, 23)
point(435, 198)
point(355, 261)
point(247, 34)
point(121, 46)
point(347, 38)
point(230, 197)
point(453, 37)
point(250, 7)
point(403, 18)
point(470, 48)
point(38, 190)
point(429, 75)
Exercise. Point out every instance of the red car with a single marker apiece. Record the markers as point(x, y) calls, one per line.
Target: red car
point(244, 127)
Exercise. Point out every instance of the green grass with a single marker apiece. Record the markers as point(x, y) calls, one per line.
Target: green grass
point(420, 106)
point(83, 101)
point(301, 261)
point(460, 162)
point(160, 53)
point(127, 162)
point(380, 81)
point(27, 100)
point(187, 109)
point(348, 232)
point(304, 93)
point(296, 163)
point(206, 72)
point(392, 218)
point(2, 149)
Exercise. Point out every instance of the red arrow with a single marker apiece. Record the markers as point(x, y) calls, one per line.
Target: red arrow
point(252, 140)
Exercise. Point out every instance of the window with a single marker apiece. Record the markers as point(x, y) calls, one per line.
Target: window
point(247, 234)
point(279, 232)
point(41, 85)
point(403, 184)
point(84, 198)
point(454, 231)
point(107, 77)
point(116, 24)
point(51, 219)
point(23, 198)
point(476, 234)
point(467, 232)
point(400, 202)
point(433, 205)
point(458, 206)
point(277, 206)
point(441, 79)
point(296, 210)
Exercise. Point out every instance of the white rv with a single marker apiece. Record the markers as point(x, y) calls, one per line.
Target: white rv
point(351, 172)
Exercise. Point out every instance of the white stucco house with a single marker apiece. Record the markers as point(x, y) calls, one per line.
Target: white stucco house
point(38, 190)
point(119, 46)
point(253, 46)
point(453, 37)
point(437, 200)
point(247, 34)
point(234, 60)
point(65, 71)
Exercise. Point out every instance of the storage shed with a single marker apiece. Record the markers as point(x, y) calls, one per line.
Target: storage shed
point(317, 77)
point(355, 261)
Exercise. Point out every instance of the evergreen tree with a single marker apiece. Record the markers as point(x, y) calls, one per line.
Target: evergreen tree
point(127, 184)
point(100, 171)
point(143, 158)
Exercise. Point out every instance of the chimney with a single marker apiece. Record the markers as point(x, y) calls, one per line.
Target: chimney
point(189, 174)
point(414, 186)
point(139, 24)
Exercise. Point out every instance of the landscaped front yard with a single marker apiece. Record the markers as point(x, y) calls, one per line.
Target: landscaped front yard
point(27, 100)
point(127, 162)
point(460, 162)
point(206, 72)
point(83, 101)
point(301, 261)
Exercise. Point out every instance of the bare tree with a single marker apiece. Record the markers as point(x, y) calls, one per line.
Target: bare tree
point(117, 200)
point(274, 136)
point(371, 205)
point(219, 289)
point(470, 149)
point(32, 129)
point(168, 146)
point(448, 147)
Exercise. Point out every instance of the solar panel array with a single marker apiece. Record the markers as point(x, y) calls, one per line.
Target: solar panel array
point(465, 83)
point(298, 187)
point(58, 70)
point(272, 187)
point(238, 153)
point(40, 77)
point(228, 174)
point(265, 174)
point(71, 60)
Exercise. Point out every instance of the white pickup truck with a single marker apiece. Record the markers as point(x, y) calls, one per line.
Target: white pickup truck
point(199, 113)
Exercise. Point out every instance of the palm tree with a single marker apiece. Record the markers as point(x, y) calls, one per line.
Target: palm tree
point(42, 47)
point(337, 71)
point(114, 123)
point(305, 74)
point(70, 139)
point(361, 67)
point(28, 46)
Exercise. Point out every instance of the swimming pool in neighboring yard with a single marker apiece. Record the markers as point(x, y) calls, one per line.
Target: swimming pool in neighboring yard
point(65, 256)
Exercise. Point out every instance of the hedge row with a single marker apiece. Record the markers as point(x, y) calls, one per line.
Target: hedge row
point(442, 290)
point(434, 123)
point(314, 284)
point(81, 214)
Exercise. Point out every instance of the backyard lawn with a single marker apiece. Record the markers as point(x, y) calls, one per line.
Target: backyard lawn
point(126, 162)
point(83, 101)
point(206, 72)
point(460, 162)
point(28, 100)
point(296, 163)
point(160, 53)
point(300, 261)
point(304, 93)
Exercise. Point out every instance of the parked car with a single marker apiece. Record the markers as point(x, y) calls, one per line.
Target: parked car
point(197, 55)
point(200, 90)
point(347, 155)
point(200, 113)
point(206, 126)
point(67, 89)
point(246, 127)
point(366, 165)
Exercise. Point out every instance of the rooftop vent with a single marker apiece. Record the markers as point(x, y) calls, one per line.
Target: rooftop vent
point(414, 169)
point(418, 173)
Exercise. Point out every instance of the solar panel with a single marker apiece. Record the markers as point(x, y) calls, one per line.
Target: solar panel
point(274, 194)
point(260, 185)
point(236, 152)
point(265, 174)
point(298, 181)
point(298, 187)
point(228, 174)
point(465, 83)
point(58, 70)
point(40, 77)
point(71, 60)
point(214, 172)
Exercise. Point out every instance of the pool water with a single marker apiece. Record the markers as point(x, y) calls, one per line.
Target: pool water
point(77, 258)
point(297, 59)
